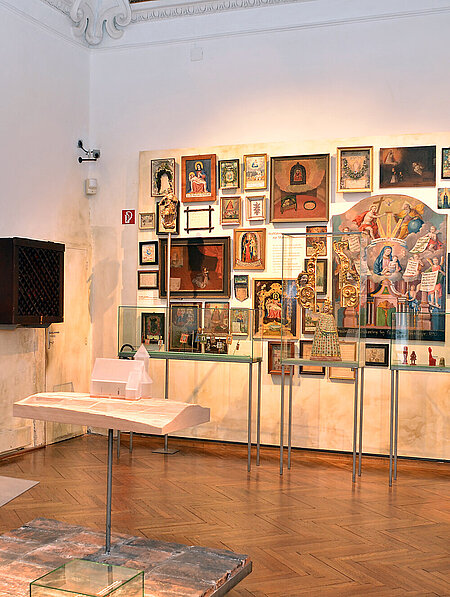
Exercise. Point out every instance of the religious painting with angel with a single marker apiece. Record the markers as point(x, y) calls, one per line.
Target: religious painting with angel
point(402, 263)
point(198, 178)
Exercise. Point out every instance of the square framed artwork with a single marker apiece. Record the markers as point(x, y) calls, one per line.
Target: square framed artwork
point(445, 163)
point(147, 280)
point(184, 321)
point(313, 237)
point(198, 178)
point(249, 248)
point(348, 353)
point(147, 221)
point(216, 318)
point(299, 188)
point(305, 348)
point(274, 357)
point(230, 210)
point(275, 317)
point(152, 327)
point(443, 199)
point(239, 321)
point(354, 169)
point(162, 176)
point(321, 275)
point(256, 208)
point(377, 355)
point(198, 218)
point(255, 171)
point(199, 267)
point(308, 320)
point(216, 345)
point(229, 174)
point(408, 166)
point(168, 217)
point(148, 252)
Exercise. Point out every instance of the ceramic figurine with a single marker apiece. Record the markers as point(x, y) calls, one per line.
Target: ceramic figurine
point(431, 359)
point(413, 358)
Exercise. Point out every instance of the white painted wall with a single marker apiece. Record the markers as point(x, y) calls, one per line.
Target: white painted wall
point(44, 109)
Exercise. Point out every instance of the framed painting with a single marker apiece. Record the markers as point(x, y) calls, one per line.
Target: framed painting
point(305, 353)
point(230, 210)
point(216, 345)
point(377, 355)
point(249, 248)
point(147, 280)
point(408, 167)
point(147, 221)
point(148, 252)
point(184, 321)
point(274, 357)
point(239, 321)
point(275, 317)
point(443, 200)
point(321, 275)
point(198, 178)
point(314, 236)
point(354, 169)
point(198, 218)
point(255, 171)
point(168, 216)
point(299, 188)
point(445, 163)
point(199, 267)
point(348, 353)
point(228, 174)
point(162, 176)
point(216, 318)
point(152, 327)
point(308, 322)
point(256, 208)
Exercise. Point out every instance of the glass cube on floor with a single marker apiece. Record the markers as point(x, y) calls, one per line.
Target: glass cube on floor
point(82, 578)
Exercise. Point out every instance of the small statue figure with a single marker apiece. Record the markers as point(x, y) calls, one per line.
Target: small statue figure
point(325, 344)
point(413, 358)
point(168, 210)
point(405, 355)
point(442, 362)
point(431, 359)
point(161, 344)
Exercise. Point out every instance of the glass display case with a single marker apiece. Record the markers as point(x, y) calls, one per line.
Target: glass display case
point(410, 348)
point(191, 330)
point(322, 281)
point(89, 579)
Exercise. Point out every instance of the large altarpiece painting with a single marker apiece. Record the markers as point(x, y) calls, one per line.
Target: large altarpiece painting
point(400, 256)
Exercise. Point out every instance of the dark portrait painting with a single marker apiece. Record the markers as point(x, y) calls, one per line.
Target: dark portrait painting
point(408, 167)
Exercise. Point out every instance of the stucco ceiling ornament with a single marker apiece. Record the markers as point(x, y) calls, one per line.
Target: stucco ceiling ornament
point(91, 15)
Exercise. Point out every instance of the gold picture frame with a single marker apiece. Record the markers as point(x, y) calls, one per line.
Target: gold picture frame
point(354, 169)
point(255, 171)
point(249, 249)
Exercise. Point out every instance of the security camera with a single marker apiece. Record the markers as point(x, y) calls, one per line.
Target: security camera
point(96, 153)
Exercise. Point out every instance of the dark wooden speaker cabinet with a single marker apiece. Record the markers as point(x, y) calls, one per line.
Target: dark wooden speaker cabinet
point(31, 282)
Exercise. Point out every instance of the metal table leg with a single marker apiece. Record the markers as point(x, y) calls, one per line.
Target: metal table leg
point(118, 444)
point(166, 450)
point(391, 426)
point(258, 416)
point(282, 419)
point(249, 417)
point(396, 426)
point(131, 442)
point(291, 370)
point(355, 423)
point(109, 492)
point(361, 415)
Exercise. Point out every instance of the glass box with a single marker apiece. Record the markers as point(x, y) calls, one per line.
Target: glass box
point(411, 348)
point(322, 277)
point(200, 331)
point(82, 578)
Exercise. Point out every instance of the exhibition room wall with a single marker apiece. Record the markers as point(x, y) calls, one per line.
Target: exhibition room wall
point(292, 79)
point(44, 109)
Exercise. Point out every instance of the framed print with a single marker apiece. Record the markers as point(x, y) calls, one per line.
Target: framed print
point(228, 174)
point(168, 216)
point(163, 176)
point(147, 221)
point(315, 232)
point(241, 288)
point(299, 188)
point(216, 318)
point(256, 208)
point(377, 355)
point(308, 323)
point(148, 252)
point(152, 327)
point(348, 353)
point(445, 164)
point(408, 166)
point(305, 353)
point(239, 321)
point(249, 248)
point(185, 320)
point(199, 267)
point(443, 201)
point(198, 218)
point(230, 210)
point(321, 275)
point(354, 169)
point(274, 357)
point(255, 171)
point(198, 178)
point(147, 280)
point(276, 317)
point(216, 345)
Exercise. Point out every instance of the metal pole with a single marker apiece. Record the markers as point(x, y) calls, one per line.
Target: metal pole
point(361, 414)
point(291, 371)
point(258, 416)
point(355, 423)
point(391, 427)
point(249, 417)
point(118, 444)
point(282, 419)
point(109, 492)
point(131, 442)
point(396, 425)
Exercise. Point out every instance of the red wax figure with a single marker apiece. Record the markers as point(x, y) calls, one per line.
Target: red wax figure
point(413, 358)
point(431, 359)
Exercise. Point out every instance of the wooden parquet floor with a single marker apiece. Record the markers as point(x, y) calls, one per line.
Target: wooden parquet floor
point(310, 532)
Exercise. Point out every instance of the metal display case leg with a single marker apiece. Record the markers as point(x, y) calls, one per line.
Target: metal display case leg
point(396, 426)
point(361, 418)
point(282, 419)
point(258, 416)
point(130, 447)
point(291, 370)
point(391, 427)
point(118, 444)
point(166, 450)
point(249, 417)
point(355, 423)
point(109, 492)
